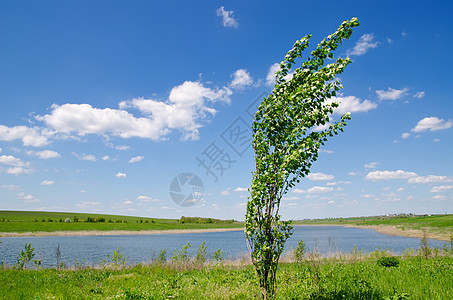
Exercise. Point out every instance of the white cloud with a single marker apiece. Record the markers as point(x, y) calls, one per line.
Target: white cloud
point(224, 193)
point(320, 177)
point(387, 175)
point(122, 147)
point(299, 191)
point(400, 189)
point(430, 179)
point(18, 171)
point(363, 45)
point(46, 154)
point(419, 95)
point(9, 187)
point(136, 159)
point(12, 161)
point(187, 106)
point(241, 79)
point(371, 165)
point(128, 202)
point(439, 197)
point(441, 188)
point(27, 198)
point(1, 149)
point(405, 135)
point(391, 94)
point(228, 19)
point(30, 136)
point(120, 175)
point(105, 157)
point(147, 199)
point(84, 156)
point(432, 124)
point(351, 104)
point(270, 77)
point(319, 189)
point(88, 204)
point(240, 189)
point(47, 182)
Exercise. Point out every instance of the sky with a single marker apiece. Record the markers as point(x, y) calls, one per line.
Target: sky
point(144, 107)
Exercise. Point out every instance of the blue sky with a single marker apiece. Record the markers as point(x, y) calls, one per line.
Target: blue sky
point(104, 103)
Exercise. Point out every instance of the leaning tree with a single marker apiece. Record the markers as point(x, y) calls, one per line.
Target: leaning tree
point(290, 126)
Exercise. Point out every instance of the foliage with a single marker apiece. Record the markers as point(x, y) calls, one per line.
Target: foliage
point(162, 257)
point(202, 253)
point(299, 252)
point(117, 259)
point(200, 220)
point(25, 256)
point(287, 135)
point(388, 261)
point(218, 255)
point(181, 255)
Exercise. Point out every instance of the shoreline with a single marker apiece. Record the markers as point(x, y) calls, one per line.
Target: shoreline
point(395, 231)
point(113, 232)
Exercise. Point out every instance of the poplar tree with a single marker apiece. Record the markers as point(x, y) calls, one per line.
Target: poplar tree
point(286, 141)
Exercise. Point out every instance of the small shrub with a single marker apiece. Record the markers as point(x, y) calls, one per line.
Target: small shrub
point(162, 257)
point(202, 253)
point(388, 261)
point(218, 256)
point(181, 255)
point(299, 252)
point(25, 256)
point(67, 220)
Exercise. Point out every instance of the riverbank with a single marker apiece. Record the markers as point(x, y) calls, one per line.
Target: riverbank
point(398, 231)
point(113, 232)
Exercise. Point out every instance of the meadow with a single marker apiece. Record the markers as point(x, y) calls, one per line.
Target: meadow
point(435, 226)
point(413, 277)
point(26, 221)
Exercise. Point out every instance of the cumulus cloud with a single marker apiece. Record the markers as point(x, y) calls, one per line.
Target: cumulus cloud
point(351, 104)
point(120, 175)
point(143, 198)
point(391, 94)
point(441, 188)
point(432, 124)
point(186, 107)
point(320, 177)
point(319, 189)
point(224, 193)
point(84, 156)
point(136, 159)
point(46, 154)
point(16, 165)
point(371, 165)
point(364, 44)
point(228, 19)
point(240, 189)
point(387, 175)
point(47, 182)
point(30, 136)
point(9, 186)
point(270, 77)
point(430, 179)
point(241, 79)
point(405, 135)
point(28, 198)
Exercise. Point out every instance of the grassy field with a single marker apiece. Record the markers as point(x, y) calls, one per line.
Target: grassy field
point(441, 224)
point(413, 278)
point(25, 221)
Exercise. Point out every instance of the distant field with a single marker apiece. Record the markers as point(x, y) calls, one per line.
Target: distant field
point(442, 224)
point(27, 221)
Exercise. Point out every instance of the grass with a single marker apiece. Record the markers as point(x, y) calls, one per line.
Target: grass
point(26, 221)
point(442, 224)
point(413, 278)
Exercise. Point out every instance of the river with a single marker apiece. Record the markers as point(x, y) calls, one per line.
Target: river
point(92, 250)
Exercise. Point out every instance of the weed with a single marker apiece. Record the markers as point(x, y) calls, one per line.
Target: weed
point(25, 257)
point(389, 261)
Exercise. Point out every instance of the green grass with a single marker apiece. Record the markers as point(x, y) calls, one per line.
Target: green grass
point(439, 223)
point(25, 221)
point(414, 277)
